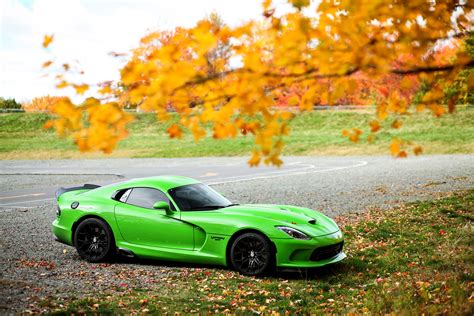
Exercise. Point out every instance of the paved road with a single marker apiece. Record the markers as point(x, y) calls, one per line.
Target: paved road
point(32, 183)
point(335, 184)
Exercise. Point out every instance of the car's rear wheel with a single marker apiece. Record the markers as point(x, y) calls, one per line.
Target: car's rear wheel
point(251, 254)
point(94, 240)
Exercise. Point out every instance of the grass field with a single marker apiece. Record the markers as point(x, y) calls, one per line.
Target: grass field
point(316, 133)
point(416, 259)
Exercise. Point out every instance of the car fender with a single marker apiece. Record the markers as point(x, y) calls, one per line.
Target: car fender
point(72, 215)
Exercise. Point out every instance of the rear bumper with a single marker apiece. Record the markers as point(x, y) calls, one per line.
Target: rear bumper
point(295, 253)
point(61, 233)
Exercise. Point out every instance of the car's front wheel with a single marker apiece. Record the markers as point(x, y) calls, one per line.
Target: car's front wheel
point(251, 254)
point(94, 240)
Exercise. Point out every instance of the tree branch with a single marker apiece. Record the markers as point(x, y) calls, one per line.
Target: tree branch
point(430, 69)
point(309, 74)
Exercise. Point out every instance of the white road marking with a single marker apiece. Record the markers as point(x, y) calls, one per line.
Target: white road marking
point(292, 173)
point(17, 196)
point(278, 172)
point(293, 163)
point(209, 174)
point(304, 169)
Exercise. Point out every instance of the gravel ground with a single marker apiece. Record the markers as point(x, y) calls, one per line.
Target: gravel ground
point(34, 268)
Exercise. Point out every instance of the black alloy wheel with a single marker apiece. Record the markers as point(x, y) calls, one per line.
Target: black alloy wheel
point(251, 254)
point(93, 240)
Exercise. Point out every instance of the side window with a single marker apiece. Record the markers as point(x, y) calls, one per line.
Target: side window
point(145, 197)
point(124, 196)
point(121, 195)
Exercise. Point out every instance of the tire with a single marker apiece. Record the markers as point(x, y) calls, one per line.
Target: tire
point(94, 240)
point(251, 254)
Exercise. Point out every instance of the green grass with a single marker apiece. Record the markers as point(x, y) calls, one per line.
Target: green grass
point(316, 133)
point(416, 259)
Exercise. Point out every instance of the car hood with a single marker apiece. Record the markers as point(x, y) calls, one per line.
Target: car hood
point(311, 222)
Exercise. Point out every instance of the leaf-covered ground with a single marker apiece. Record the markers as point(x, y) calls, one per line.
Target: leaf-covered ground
point(315, 133)
point(413, 259)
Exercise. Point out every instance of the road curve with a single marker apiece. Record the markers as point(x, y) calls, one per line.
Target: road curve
point(331, 184)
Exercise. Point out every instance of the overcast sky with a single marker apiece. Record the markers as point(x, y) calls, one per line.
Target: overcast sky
point(87, 30)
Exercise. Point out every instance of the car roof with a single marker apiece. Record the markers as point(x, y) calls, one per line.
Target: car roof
point(162, 182)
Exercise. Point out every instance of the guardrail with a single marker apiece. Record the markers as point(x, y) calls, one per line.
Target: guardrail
point(316, 108)
point(11, 110)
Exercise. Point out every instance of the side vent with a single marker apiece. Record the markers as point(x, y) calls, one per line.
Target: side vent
point(313, 221)
point(125, 252)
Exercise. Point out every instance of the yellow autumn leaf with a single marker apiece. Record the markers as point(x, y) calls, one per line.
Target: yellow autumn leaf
point(81, 88)
point(294, 100)
point(174, 131)
point(402, 154)
point(396, 124)
point(62, 84)
point(105, 90)
point(49, 124)
point(255, 159)
point(417, 150)
point(266, 4)
point(406, 83)
point(433, 96)
point(46, 64)
point(47, 40)
point(299, 4)
point(420, 108)
point(436, 109)
point(374, 126)
point(395, 147)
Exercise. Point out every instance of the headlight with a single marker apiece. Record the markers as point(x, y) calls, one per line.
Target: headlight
point(58, 212)
point(296, 234)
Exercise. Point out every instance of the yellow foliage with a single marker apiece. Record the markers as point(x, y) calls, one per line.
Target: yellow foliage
point(255, 159)
point(470, 82)
point(396, 124)
point(42, 104)
point(47, 63)
point(395, 146)
point(62, 84)
point(81, 88)
point(188, 70)
point(353, 136)
point(417, 150)
point(374, 126)
point(47, 40)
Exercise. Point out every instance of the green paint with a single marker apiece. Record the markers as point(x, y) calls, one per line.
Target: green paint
point(199, 236)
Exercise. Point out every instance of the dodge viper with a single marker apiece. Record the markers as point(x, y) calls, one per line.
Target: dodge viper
point(181, 219)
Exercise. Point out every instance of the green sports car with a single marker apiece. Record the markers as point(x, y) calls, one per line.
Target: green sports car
point(181, 219)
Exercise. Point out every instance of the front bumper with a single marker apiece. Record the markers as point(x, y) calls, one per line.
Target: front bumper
point(296, 253)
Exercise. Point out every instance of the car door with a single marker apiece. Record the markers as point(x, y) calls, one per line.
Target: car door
point(140, 224)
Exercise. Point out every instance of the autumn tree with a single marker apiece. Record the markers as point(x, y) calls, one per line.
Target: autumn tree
point(42, 104)
point(310, 48)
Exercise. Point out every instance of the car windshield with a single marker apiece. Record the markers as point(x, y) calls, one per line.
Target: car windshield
point(198, 197)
